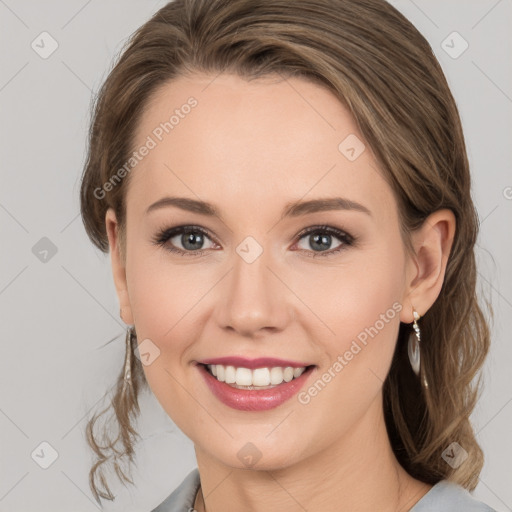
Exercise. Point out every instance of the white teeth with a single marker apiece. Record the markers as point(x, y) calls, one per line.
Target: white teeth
point(230, 375)
point(260, 377)
point(276, 375)
point(297, 372)
point(288, 374)
point(244, 377)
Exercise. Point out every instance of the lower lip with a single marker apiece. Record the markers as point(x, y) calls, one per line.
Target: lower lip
point(253, 399)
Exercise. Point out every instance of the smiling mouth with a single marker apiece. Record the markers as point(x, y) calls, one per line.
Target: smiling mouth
point(259, 378)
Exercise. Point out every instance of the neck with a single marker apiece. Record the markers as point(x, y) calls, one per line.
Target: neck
point(357, 473)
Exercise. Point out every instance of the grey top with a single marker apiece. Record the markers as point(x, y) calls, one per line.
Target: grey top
point(445, 496)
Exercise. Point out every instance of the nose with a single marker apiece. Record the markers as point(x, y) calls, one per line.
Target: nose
point(253, 299)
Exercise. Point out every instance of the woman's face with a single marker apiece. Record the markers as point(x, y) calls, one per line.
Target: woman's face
point(262, 286)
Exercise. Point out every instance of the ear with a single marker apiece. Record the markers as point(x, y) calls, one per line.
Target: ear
point(118, 266)
point(426, 268)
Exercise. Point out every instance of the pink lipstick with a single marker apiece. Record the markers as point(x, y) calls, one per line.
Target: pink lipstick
point(254, 399)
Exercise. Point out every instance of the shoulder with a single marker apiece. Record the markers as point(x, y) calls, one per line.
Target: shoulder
point(446, 496)
point(183, 497)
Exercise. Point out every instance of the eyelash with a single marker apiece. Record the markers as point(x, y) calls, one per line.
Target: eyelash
point(162, 237)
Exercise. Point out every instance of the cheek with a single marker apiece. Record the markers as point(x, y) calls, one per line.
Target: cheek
point(163, 291)
point(163, 299)
point(358, 304)
point(167, 300)
point(361, 304)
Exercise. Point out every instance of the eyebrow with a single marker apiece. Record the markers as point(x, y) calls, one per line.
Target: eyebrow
point(292, 209)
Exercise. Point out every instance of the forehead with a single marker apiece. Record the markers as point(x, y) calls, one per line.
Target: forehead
point(246, 143)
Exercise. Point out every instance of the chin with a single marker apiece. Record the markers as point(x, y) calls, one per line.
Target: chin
point(257, 457)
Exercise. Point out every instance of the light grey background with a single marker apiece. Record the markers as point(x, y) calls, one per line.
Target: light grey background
point(57, 314)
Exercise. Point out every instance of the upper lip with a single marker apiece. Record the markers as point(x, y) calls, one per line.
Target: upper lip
point(260, 362)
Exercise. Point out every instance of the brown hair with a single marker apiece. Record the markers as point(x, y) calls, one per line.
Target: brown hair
point(384, 71)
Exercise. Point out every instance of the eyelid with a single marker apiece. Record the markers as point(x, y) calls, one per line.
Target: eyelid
point(340, 233)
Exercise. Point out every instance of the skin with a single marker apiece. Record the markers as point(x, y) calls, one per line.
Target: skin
point(250, 147)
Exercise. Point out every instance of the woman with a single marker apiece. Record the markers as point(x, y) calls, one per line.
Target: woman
point(285, 193)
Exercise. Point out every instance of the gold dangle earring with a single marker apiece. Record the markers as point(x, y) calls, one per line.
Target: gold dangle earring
point(414, 348)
